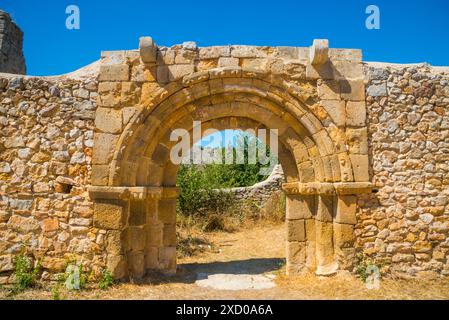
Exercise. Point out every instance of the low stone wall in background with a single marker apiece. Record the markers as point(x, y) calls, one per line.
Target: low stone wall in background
point(259, 193)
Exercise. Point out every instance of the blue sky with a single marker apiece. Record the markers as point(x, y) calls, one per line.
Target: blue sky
point(411, 31)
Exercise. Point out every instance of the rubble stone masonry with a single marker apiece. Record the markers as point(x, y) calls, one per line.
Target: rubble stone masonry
point(397, 115)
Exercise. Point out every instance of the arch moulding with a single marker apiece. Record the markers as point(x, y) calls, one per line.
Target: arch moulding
point(314, 98)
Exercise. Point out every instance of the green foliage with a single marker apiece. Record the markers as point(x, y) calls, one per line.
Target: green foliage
point(25, 273)
point(200, 195)
point(106, 280)
point(56, 292)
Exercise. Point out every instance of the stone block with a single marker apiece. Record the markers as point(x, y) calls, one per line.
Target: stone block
point(228, 62)
point(167, 259)
point(324, 71)
point(135, 238)
point(50, 224)
point(214, 52)
point(117, 266)
point(360, 167)
point(336, 109)
point(241, 51)
point(110, 215)
point(160, 154)
point(162, 74)
point(114, 242)
point(346, 209)
point(137, 213)
point(108, 120)
point(324, 243)
point(306, 172)
point(167, 211)
point(104, 147)
point(353, 90)
point(136, 264)
point(299, 207)
point(310, 244)
point(154, 236)
point(348, 55)
point(100, 175)
point(357, 140)
point(325, 208)
point(142, 73)
point(356, 113)
point(319, 52)
point(348, 70)
point(169, 235)
point(176, 72)
point(6, 263)
point(152, 258)
point(53, 264)
point(296, 257)
point(346, 258)
point(296, 230)
point(114, 72)
point(329, 90)
point(148, 50)
point(377, 90)
point(345, 167)
point(344, 236)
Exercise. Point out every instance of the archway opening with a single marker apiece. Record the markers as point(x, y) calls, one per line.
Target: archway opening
point(325, 166)
point(231, 209)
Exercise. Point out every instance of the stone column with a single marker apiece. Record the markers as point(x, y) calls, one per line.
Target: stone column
point(326, 263)
point(166, 216)
point(344, 237)
point(153, 230)
point(299, 210)
point(112, 216)
point(134, 239)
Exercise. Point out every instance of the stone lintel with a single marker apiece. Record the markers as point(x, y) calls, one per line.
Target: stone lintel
point(323, 188)
point(125, 193)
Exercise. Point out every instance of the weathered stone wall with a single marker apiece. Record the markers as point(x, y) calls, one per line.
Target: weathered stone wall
point(11, 39)
point(46, 127)
point(47, 135)
point(259, 193)
point(406, 223)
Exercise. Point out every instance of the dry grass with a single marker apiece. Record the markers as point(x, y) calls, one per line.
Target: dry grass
point(257, 249)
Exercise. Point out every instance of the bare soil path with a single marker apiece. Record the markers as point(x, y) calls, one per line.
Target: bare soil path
point(255, 251)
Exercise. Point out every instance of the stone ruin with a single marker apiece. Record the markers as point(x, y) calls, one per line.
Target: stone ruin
point(11, 39)
point(85, 172)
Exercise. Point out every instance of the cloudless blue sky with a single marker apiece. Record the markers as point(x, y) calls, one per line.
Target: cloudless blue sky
point(411, 31)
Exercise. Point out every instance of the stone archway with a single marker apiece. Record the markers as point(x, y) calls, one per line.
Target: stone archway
point(144, 95)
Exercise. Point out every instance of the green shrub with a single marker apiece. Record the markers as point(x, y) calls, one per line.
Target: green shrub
point(106, 281)
point(56, 292)
point(25, 272)
point(199, 183)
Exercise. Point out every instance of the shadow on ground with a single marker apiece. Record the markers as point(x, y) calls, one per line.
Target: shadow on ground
point(187, 273)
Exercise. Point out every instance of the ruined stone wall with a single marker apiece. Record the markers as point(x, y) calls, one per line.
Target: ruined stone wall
point(46, 139)
point(405, 225)
point(259, 193)
point(11, 39)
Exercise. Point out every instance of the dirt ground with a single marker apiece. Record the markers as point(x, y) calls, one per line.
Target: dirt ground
point(258, 250)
